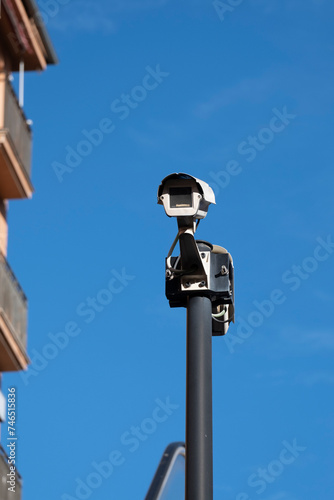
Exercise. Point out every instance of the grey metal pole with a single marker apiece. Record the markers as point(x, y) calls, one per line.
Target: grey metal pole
point(199, 462)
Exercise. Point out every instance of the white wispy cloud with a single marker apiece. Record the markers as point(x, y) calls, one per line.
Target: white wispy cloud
point(312, 97)
point(270, 8)
point(310, 379)
point(281, 495)
point(324, 296)
point(309, 340)
point(91, 17)
point(267, 8)
point(307, 379)
point(131, 5)
point(142, 138)
point(252, 90)
point(276, 377)
point(86, 17)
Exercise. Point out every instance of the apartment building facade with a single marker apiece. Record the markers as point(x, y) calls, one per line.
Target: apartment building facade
point(24, 46)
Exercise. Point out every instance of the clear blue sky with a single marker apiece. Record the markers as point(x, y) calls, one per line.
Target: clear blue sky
point(241, 97)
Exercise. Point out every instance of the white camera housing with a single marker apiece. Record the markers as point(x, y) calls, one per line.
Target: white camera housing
point(183, 195)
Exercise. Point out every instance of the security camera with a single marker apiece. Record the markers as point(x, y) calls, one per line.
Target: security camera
point(183, 195)
point(201, 268)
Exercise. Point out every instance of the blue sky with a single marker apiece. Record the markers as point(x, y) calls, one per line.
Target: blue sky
point(241, 97)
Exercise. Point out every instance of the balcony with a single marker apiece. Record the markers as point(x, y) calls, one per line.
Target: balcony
point(24, 35)
point(13, 321)
point(4, 470)
point(15, 145)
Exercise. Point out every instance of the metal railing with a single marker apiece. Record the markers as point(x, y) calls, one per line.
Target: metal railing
point(5, 494)
point(19, 131)
point(13, 302)
point(169, 480)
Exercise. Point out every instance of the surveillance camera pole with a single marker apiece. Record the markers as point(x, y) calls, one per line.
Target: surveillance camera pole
point(201, 279)
point(199, 461)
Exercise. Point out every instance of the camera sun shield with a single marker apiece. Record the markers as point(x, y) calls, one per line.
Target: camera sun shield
point(185, 196)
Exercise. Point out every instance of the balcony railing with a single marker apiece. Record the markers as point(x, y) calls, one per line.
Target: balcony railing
point(5, 494)
point(13, 303)
point(19, 131)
